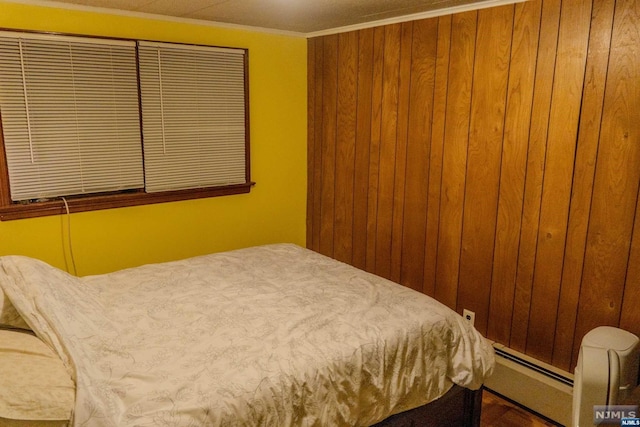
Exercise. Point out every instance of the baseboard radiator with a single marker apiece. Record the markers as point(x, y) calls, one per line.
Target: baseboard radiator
point(540, 387)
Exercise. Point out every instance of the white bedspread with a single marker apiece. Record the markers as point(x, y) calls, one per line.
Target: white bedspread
point(272, 336)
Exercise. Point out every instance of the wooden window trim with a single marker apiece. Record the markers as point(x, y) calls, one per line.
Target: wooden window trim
point(98, 202)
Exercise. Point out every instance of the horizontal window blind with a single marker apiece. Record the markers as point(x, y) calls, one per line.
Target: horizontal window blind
point(70, 115)
point(193, 116)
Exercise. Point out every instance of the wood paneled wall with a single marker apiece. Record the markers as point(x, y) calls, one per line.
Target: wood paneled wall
point(490, 159)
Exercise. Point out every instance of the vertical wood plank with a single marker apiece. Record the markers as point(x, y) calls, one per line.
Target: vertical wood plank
point(559, 163)
point(388, 139)
point(311, 143)
point(418, 151)
point(545, 66)
point(588, 136)
point(436, 153)
point(404, 87)
point(617, 180)
point(345, 146)
point(491, 73)
point(514, 163)
point(318, 143)
point(363, 140)
point(463, 34)
point(329, 113)
point(374, 153)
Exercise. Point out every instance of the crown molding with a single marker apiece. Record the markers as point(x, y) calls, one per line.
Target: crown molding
point(376, 23)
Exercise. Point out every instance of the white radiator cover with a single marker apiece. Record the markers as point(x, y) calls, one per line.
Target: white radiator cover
point(536, 385)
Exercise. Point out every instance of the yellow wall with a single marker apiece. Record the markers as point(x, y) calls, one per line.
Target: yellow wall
point(274, 211)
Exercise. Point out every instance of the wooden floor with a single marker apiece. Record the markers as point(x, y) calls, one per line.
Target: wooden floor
point(497, 412)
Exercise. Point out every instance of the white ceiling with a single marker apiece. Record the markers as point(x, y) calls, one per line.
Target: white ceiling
point(307, 17)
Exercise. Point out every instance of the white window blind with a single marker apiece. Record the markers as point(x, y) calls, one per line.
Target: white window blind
point(70, 115)
point(193, 116)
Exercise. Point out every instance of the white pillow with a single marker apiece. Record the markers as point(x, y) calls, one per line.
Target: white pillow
point(34, 384)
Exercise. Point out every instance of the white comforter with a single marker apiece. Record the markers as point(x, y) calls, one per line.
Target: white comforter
point(272, 336)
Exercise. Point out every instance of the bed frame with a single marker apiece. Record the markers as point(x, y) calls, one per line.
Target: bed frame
point(458, 407)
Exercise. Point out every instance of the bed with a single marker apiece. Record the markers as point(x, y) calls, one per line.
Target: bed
point(275, 335)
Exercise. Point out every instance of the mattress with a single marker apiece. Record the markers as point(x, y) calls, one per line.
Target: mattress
point(270, 335)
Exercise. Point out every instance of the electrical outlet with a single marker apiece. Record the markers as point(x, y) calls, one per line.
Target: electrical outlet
point(469, 316)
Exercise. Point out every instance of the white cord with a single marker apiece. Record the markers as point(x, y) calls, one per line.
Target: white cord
point(73, 261)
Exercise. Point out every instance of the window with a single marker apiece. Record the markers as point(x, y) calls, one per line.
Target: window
point(69, 116)
point(207, 83)
point(106, 123)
